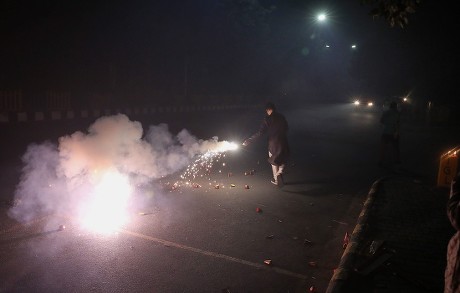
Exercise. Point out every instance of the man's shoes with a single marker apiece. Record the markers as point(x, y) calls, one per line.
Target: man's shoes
point(274, 182)
point(280, 180)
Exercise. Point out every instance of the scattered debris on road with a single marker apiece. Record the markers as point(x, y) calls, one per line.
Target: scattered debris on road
point(346, 240)
point(375, 246)
point(144, 214)
point(341, 223)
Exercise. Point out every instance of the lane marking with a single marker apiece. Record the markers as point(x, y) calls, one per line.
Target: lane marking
point(215, 255)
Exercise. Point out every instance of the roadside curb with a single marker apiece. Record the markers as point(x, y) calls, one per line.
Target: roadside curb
point(343, 271)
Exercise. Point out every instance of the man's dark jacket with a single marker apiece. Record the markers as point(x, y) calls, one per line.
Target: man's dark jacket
point(276, 127)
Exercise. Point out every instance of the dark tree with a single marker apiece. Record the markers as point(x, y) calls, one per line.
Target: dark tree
point(395, 12)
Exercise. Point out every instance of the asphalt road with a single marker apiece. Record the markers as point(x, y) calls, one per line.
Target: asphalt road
point(204, 239)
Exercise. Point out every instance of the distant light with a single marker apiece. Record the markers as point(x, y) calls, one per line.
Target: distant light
point(356, 102)
point(405, 99)
point(353, 46)
point(327, 46)
point(321, 17)
point(370, 104)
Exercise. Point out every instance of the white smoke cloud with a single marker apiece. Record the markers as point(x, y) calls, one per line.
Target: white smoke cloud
point(56, 178)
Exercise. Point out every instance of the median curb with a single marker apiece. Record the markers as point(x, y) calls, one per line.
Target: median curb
point(345, 268)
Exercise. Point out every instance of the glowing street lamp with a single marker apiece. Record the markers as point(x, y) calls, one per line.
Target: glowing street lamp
point(321, 17)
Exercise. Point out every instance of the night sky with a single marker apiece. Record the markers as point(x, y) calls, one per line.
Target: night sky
point(158, 49)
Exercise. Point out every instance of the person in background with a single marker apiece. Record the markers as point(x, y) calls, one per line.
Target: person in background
point(452, 272)
point(390, 120)
point(276, 127)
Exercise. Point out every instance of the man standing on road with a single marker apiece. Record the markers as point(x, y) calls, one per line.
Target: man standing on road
point(390, 135)
point(276, 127)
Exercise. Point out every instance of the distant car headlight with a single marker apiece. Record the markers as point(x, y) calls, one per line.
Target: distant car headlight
point(356, 102)
point(370, 104)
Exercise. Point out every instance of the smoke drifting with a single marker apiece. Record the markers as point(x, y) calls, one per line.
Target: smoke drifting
point(57, 178)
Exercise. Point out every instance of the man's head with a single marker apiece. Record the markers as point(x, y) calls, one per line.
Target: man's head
point(270, 108)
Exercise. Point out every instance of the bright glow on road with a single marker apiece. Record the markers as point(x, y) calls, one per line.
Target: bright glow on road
point(106, 208)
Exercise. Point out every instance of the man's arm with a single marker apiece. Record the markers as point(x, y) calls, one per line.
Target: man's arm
point(262, 129)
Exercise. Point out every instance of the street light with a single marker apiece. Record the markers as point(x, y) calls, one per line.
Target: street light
point(321, 17)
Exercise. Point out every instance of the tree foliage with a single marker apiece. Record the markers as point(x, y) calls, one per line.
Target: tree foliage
point(395, 12)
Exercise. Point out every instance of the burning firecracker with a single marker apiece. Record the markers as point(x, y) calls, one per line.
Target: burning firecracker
point(250, 172)
point(201, 166)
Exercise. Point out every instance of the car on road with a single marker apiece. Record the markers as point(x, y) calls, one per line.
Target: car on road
point(364, 104)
